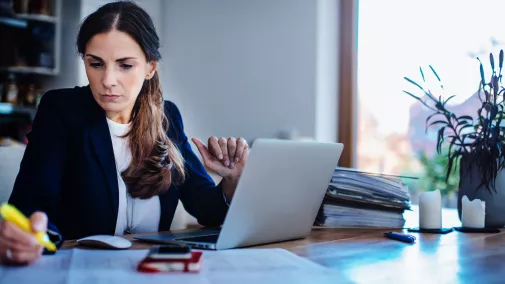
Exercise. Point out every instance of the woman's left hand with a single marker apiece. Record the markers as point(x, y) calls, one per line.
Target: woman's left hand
point(224, 156)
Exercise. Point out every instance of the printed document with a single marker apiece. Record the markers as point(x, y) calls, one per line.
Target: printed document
point(229, 266)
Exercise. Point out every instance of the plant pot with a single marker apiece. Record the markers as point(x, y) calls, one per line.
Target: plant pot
point(494, 198)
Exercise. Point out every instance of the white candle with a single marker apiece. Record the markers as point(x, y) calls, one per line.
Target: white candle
point(430, 210)
point(473, 213)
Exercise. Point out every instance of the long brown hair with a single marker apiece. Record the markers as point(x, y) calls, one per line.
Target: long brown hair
point(154, 155)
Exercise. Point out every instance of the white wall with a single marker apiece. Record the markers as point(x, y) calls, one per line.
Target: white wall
point(236, 67)
point(327, 70)
point(251, 68)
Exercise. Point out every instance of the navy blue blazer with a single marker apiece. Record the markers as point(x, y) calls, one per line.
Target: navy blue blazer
point(69, 172)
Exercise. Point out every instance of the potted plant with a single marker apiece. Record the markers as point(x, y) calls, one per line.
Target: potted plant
point(475, 143)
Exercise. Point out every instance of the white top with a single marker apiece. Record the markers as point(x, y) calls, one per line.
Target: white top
point(140, 215)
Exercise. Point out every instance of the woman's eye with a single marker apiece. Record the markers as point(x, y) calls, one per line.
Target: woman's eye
point(126, 66)
point(96, 65)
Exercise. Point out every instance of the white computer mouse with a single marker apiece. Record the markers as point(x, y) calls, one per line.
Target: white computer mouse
point(105, 241)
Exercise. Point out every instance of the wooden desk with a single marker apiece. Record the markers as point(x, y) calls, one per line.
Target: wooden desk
point(365, 256)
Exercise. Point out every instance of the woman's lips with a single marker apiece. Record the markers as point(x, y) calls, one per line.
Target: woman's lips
point(110, 97)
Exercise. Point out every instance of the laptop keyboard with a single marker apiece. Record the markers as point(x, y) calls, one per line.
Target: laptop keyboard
point(201, 239)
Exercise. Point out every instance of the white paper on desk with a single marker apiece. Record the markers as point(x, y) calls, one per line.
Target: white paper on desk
point(264, 266)
point(230, 266)
point(47, 270)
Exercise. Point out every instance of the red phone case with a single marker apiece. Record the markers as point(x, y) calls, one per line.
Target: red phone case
point(152, 265)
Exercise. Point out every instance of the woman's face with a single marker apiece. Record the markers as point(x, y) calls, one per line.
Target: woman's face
point(116, 68)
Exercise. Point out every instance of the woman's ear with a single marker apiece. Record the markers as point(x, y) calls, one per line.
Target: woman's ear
point(151, 69)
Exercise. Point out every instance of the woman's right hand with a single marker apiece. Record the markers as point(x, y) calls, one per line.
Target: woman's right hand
point(18, 247)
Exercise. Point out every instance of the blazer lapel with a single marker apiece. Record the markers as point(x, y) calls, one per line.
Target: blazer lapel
point(99, 136)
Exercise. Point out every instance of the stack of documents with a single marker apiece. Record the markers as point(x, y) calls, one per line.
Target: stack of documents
point(362, 199)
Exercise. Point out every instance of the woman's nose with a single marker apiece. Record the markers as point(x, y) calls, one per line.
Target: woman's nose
point(109, 79)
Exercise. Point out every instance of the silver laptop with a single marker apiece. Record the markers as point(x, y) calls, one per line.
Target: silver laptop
point(277, 197)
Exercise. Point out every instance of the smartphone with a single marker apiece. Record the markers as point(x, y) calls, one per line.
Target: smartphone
point(192, 264)
point(170, 251)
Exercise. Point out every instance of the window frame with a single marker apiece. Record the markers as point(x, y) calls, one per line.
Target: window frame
point(347, 90)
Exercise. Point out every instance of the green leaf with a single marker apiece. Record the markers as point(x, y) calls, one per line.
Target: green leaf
point(498, 122)
point(491, 59)
point(419, 86)
point(465, 117)
point(422, 73)
point(453, 115)
point(434, 72)
point(419, 99)
point(440, 106)
point(449, 99)
point(428, 120)
point(432, 115)
point(439, 122)
point(440, 139)
point(482, 78)
point(501, 60)
point(464, 127)
point(451, 163)
point(412, 95)
point(451, 145)
point(494, 111)
point(430, 95)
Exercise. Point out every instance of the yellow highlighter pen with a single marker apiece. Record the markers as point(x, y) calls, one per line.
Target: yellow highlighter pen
point(11, 214)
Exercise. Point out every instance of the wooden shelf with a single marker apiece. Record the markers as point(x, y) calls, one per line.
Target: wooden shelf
point(10, 109)
point(30, 70)
point(39, 18)
point(21, 20)
point(31, 21)
point(14, 22)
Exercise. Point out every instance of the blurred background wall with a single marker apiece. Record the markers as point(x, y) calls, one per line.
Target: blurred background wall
point(265, 68)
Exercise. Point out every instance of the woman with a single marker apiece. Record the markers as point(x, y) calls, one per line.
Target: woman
point(112, 157)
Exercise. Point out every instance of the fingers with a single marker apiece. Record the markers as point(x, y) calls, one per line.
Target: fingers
point(39, 221)
point(11, 256)
point(245, 156)
point(241, 148)
point(223, 145)
point(202, 149)
point(228, 151)
point(10, 233)
point(15, 245)
point(214, 148)
point(18, 246)
point(232, 148)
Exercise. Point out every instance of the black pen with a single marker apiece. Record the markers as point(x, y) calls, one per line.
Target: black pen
point(400, 237)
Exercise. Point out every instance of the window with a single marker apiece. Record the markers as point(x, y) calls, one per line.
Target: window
point(395, 38)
